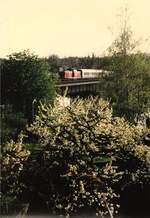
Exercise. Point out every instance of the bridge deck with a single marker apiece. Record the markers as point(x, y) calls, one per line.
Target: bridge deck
point(65, 83)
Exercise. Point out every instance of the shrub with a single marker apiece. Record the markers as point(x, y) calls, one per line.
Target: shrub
point(87, 156)
point(12, 123)
point(12, 159)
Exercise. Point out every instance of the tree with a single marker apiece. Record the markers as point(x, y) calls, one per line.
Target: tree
point(54, 62)
point(128, 85)
point(26, 79)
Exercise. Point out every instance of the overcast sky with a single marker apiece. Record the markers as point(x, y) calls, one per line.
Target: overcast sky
point(68, 27)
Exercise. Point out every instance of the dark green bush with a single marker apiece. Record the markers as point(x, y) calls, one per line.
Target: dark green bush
point(12, 123)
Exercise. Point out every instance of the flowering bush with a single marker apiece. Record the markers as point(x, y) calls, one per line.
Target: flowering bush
point(13, 157)
point(85, 154)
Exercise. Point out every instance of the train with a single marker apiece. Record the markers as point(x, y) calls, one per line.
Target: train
point(81, 73)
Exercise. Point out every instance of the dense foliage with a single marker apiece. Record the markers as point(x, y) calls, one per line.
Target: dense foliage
point(86, 158)
point(26, 79)
point(128, 87)
point(13, 157)
point(91, 62)
point(11, 122)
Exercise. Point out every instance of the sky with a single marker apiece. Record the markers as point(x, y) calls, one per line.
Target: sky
point(69, 27)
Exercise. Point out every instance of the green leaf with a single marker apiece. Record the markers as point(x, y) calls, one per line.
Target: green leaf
point(97, 160)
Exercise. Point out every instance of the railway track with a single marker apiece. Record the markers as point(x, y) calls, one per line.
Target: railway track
point(75, 82)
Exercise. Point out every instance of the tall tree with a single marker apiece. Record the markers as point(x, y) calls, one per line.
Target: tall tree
point(128, 86)
point(26, 78)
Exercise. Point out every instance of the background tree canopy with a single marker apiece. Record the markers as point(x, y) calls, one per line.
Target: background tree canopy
point(26, 79)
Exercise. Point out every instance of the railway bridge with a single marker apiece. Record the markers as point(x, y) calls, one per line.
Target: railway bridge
point(81, 87)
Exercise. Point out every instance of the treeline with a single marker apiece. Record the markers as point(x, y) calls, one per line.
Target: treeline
point(90, 62)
